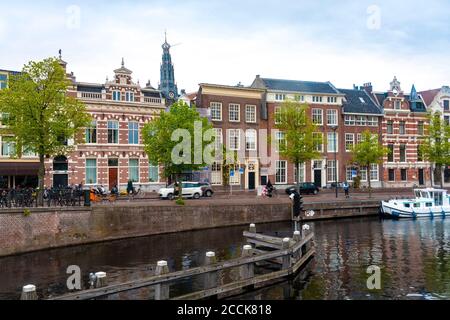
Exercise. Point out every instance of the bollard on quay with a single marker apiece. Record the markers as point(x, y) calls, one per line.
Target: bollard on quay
point(29, 293)
point(162, 290)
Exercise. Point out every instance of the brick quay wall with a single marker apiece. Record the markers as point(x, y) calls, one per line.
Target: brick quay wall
point(52, 228)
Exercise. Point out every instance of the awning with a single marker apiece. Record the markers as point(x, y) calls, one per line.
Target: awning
point(19, 168)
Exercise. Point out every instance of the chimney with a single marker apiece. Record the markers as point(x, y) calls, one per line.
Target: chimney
point(368, 87)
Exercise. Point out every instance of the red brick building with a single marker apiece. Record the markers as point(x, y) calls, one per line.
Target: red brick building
point(402, 130)
point(113, 152)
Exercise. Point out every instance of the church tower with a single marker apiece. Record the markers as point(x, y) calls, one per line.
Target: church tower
point(167, 84)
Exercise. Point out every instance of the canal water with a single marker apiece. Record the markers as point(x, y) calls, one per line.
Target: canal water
point(414, 257)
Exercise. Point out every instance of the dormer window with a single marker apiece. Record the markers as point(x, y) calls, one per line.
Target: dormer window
point(116, 95)
point(446, 105)
point(332, 99)
point(280, 97)
point(129, 96)
point(397, 105)
point(317, 99)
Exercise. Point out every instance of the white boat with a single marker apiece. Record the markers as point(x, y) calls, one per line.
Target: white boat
point(428, 203)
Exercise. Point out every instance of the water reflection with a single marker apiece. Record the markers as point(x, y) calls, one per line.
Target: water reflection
point(414, 257)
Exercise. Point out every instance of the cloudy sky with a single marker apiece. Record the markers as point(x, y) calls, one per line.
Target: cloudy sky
point(226, 42)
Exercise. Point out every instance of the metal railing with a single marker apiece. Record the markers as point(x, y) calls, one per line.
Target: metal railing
point(27, 198)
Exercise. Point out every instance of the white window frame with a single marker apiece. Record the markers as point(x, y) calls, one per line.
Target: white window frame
point(150, 167)
point(138, 169)
point(277, 111)
point(332, 115)
point(350, 120)
point(302, 173)
point(281, 165)
point(332, 135)
point(322, 144)
point(214, 111)
point(232, 111)
point(129, 96)
point(316, 113)
point(280, 136)
point(219, 138)
point(86, 171)
point(251, 133)
point(232, 135)
point(117, 95)
point(334, 173)
point(250, 113)
point(347, 141)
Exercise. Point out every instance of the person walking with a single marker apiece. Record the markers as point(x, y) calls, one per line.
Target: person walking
point(347, 190)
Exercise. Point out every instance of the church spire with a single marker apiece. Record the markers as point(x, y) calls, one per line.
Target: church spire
point(168, 86)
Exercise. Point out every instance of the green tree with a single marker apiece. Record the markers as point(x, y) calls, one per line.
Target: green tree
point(299, 141)
point(229, 159)
point(40, 114)
point(369, 151)
point(436, 145)
point(162, 140)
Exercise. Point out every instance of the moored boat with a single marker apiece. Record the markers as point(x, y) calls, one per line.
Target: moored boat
point(428, 203)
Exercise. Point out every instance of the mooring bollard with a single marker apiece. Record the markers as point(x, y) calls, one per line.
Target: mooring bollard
point(29, 293)
point(297, 236)
point(287, 258)
point(252, 228)
point(162, 290)
point(247, 271)
point(211, 277)
point(100, 280)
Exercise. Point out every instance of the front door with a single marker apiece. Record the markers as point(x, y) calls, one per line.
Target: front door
point(60, 181)
point(264, 180)
point(251, 181)
point(318, 178)
point(113, 178)
point(421, 177)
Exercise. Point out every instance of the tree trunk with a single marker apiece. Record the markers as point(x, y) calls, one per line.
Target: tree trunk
point(441, 177)
point(368, 179)
point(41, 175)
point(298, 177)
point(180, 187)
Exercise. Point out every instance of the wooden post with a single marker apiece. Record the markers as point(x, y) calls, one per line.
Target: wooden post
point(297, 236)
point(162, 290)
point(287, 258)
point(101, 280)
point(252, 228)
point(247, 271)
point(210, 278)
point(29, 293)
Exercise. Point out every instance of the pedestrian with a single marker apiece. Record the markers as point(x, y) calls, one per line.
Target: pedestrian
point(130, 188)
point(269, 189)
point(347, 189)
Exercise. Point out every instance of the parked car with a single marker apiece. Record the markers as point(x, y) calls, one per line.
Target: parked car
point(190, 190)
point(207, 189)
point(305, 188)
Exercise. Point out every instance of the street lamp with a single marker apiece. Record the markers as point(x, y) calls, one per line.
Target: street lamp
point(334, 128)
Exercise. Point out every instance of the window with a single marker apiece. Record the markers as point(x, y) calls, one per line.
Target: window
point(363, 174)
point(250, 138)
point(447, 120)
point(235, 113)
point(391, 153)
point(317, 116)
point(317, 99)
point(250, 114)
point(318, 141)
point(391, 175)
point(236, 179)
point(420, 128)
point(133, 132)
point(402, 127)
point(153, 173)
point(332, 142)
point(332, 117)
point(129, 96)
point(350, 120)
point(358, 138)
point(446, 105)
point(219, 139)
point(91, 133)
point(133, 170)
point(374, 176)
point(234, 136)
point(281, 172)
point(331, 171)
point(332, 99)
point(8, 146)
point(116, 95)
point(277, 115)
point(3, 81)
point(216, 111)
point(91, 171)
point(402, 153)
point(361, 121)
point(404, 175)
point(419, 154)
point(5, 119)
point(349, 142)
point(280, 140)
point(280, 97)
point(390, 127)
point(397, 105)
point(372, 121)
point(113, 132)
point(302, 173)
